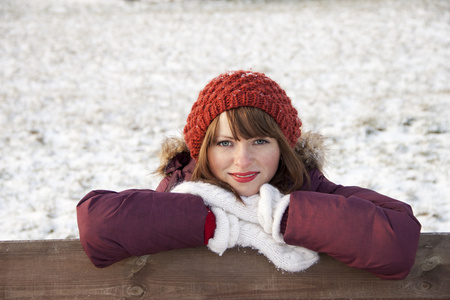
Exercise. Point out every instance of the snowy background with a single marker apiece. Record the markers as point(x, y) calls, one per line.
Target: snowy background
point(88, 90)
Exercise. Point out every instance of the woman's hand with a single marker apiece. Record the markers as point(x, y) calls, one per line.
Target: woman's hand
point(216, 196)
point(266, 208)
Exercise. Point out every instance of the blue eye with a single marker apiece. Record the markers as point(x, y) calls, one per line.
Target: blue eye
point(261, 142)
point(224, 143)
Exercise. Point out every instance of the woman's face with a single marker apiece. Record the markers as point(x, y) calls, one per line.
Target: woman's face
point(243, 164)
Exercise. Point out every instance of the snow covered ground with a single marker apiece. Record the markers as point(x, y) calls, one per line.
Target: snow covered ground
point(89, 88)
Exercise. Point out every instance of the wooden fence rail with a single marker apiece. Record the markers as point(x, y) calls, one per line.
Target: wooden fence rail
point(59, 269)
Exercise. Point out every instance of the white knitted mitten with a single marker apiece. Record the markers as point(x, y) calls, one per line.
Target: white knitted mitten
point(266, 208)
point(271, 207)
point(214, 195)
point(226, 233)
point(254, 223)
point(286, 257)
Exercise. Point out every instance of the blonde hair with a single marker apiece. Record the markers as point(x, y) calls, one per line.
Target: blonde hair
point(248, 122)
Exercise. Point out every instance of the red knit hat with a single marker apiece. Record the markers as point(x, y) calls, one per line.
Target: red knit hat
point(236, 89)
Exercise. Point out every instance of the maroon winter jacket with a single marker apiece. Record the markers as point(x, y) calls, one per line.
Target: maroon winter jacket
point(357, 226)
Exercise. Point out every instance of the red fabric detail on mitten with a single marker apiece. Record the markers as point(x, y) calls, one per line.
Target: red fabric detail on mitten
point(210, 226)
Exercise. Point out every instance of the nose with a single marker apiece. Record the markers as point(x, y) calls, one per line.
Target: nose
point(243, 156)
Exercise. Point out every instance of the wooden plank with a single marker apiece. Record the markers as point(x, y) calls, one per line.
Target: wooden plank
point(59, 269)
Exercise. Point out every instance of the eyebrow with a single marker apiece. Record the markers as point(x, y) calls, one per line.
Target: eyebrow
point(224, 137)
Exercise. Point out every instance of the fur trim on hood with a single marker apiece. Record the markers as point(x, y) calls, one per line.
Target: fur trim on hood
point(311, 147)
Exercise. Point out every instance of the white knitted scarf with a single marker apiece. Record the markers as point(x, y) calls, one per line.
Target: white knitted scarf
point(254, 223)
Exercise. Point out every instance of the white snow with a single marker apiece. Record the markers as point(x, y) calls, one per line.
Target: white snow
point(88, 89)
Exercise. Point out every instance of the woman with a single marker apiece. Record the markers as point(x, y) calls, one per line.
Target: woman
point(245, 175)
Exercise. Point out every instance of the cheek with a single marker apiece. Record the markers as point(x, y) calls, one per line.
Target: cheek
point(214, 161)
point(273, 160)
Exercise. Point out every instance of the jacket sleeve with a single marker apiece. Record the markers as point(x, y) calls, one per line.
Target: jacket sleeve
point(357, 226)
point(114, 226)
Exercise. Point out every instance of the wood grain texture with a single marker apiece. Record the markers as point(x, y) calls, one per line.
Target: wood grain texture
point(59, 269)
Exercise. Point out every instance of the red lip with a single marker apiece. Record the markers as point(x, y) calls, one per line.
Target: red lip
point(244, 177)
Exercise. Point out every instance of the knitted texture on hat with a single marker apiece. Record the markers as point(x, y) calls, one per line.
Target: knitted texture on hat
point(237, 89)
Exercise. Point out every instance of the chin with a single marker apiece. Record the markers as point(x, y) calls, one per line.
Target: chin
point(248, 193)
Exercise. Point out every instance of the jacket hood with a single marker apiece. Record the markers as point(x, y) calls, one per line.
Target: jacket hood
point(310, 147)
